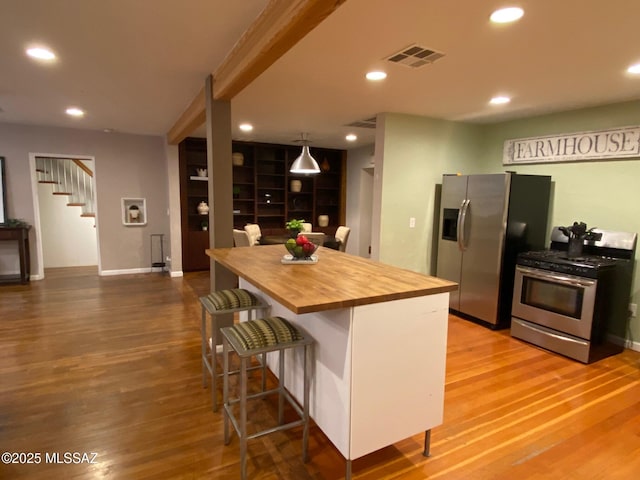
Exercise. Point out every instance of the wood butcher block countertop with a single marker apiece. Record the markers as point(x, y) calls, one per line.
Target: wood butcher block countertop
point(338, 280)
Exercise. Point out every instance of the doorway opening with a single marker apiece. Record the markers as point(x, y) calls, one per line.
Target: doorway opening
point(366, 212)
point(65, 211)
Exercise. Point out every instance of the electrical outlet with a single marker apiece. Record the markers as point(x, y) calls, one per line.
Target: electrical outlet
point(633, 308)
point(412, 222)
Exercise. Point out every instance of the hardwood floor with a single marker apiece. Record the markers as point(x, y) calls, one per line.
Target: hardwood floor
point(111, 365)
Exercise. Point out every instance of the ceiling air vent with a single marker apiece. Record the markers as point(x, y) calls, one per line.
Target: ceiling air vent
point(367, 123)
point(415, 56)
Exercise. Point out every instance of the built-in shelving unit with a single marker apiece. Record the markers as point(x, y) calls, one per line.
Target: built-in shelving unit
point(193, 190)
point(262, 192)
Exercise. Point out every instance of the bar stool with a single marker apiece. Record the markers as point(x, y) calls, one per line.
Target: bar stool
point(217, 303)
point(257, 337)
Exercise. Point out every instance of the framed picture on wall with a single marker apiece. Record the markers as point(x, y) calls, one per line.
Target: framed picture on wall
point(134, 211)
point(3, 193)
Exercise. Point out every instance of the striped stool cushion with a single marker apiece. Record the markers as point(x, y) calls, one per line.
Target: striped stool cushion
point(231, 299)
point(265, 332)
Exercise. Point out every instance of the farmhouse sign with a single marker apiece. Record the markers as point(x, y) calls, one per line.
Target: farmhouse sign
point(597, 145)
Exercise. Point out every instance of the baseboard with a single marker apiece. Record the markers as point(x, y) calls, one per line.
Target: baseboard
point(131, 271)
point(625, 342)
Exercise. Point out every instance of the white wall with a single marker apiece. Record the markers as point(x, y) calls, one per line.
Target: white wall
point(175, 235)
point(68, 240)
point(358, 208)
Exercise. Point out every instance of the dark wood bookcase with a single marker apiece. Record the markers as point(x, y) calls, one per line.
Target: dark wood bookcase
point(261, 192)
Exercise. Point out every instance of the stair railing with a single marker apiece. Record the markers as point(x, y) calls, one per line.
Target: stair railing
point(69, 177)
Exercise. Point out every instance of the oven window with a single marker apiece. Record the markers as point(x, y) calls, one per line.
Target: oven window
point(553, 297)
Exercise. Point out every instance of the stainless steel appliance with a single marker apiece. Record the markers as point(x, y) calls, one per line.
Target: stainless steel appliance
point(568, 304)
point(485, 221)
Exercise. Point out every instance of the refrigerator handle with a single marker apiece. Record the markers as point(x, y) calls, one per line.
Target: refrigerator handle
point(462, 221)
point(458, 225)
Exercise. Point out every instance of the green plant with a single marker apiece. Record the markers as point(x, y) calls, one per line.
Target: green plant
point(294, 225)
point(204, 224)
point(15, 222)
point(580, 231)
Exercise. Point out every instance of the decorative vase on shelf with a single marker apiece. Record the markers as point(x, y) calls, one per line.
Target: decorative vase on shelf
point(237, 158)
point(325, 166)
point(323, 220)
point(202, 172)
point(134, 214)
point(296, 186)
point(203, 208)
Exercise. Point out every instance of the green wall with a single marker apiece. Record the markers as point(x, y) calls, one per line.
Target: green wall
point(417, 151)
point(602, 194)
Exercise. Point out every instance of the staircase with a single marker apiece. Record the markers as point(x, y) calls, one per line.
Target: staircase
point(69, 177)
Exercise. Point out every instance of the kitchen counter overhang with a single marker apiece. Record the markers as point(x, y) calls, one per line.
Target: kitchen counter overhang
point(338, 280)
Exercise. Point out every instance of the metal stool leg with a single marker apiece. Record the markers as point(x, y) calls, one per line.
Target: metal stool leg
point(305, 406)
point(225, 389)
point(281, 388)
point(203, 332)
point(243, 418)
point(264, 371)
point(214, 362)
point(347, 473)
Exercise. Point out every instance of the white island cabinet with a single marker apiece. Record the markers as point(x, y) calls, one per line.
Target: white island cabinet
point(380, 341)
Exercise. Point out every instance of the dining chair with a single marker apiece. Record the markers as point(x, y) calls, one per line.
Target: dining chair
point(342, 235)
point(315, 237)
point(241, 238)
point(254, 232)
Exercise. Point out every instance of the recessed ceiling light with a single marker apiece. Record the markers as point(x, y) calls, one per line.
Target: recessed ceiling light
point(376, 75)
point(506, 15)
point(75, 112)
point(351, 137)
point(246, 127)
point(634, 69)
point(41, 53)
point(501, 100)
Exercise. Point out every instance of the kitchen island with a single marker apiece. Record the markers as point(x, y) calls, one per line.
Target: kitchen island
point(381, 337)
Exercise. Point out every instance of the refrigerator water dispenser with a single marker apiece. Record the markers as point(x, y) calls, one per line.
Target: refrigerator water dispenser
point(450, 224)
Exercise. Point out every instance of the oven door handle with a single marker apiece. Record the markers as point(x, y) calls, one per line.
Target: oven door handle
point(547, 331)
point(574, 282)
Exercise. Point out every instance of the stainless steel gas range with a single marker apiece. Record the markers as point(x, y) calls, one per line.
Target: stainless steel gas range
point(569, 304)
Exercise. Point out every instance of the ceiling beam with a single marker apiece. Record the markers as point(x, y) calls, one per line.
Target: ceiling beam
point(281, 25)
point(194, 116)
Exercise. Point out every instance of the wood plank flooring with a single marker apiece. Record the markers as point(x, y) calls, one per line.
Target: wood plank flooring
point(111, 365)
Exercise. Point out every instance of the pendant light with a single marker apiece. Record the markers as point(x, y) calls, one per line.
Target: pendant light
point(305, 163)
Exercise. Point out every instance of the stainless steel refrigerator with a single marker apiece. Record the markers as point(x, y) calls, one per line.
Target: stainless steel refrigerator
point(485, 221)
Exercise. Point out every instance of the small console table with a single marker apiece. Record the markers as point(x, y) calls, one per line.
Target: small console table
point(20, 235)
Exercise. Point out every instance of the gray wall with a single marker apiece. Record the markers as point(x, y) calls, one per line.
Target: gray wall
point(125, 166)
